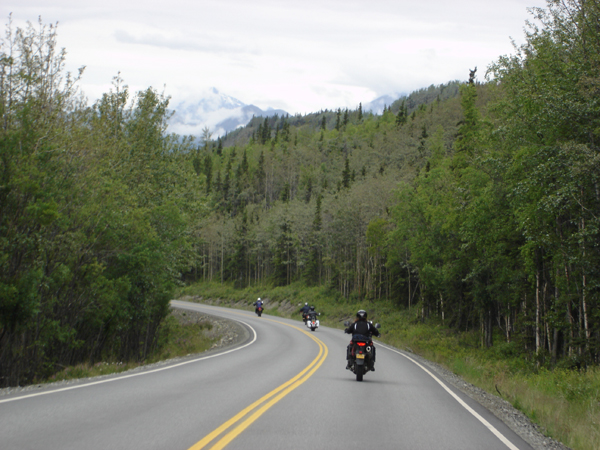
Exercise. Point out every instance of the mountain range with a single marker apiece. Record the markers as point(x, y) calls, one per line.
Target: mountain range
point(222, 113)
point(219, 112)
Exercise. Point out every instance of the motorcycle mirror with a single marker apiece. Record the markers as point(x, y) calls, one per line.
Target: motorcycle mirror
point(346, 323)
point(377, 325)
point(319, 314)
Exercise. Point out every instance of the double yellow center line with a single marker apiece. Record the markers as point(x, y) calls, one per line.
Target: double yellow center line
point(249, 415)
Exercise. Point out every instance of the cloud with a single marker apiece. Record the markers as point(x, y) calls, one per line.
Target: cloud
point(297, 55)
point(187, 43)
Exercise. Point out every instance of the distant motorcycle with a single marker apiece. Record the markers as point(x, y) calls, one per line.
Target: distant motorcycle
point(259, 311)
point(362, 354)
point(311, 321)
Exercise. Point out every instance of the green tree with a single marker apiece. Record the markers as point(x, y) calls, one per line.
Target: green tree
point(346, 174)
point(312, 271)
point(208, 172)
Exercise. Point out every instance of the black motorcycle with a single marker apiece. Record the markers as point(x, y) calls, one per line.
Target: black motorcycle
point(362, 354)
point(259, 310)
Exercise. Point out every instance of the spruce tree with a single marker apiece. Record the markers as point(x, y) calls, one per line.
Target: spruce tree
point(401, 117)
point(346, 174)
point(266, 131)
point(260, 175)
point(244, 164)
point(219, 147)
point(208, 172)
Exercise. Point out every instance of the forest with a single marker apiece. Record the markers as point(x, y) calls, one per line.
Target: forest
point(476, 202)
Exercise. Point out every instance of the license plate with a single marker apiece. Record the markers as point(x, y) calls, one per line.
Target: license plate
point(359, 356)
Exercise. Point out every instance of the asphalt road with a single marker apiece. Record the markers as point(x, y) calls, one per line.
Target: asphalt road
point(285, 387)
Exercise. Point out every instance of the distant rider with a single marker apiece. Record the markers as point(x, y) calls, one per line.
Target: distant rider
point(363, 327)
point(257, 304)
point(304, 311)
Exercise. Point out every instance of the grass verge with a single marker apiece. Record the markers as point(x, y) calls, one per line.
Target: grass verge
point(179, 337)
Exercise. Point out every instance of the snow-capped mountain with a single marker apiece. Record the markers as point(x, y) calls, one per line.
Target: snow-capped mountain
point(217, 111)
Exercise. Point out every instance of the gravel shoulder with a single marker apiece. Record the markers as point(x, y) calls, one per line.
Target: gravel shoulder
point(512, 417)
point(227, 333)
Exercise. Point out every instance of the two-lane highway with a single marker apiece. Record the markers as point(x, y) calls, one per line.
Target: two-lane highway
point(284, 387)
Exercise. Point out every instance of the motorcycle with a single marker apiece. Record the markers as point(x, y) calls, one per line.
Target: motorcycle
point(362, 354)
point(311, 321)
point(259, 310)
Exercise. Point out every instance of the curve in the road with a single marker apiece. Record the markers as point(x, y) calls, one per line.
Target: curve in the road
point(258, 408)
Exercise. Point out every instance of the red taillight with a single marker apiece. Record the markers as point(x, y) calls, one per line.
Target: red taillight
point(361, 344)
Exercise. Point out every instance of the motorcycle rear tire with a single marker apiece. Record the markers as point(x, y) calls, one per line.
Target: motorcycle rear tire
point(359, 370)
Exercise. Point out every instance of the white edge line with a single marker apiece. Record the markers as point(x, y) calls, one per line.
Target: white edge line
point(488, 425)
point(37, 394)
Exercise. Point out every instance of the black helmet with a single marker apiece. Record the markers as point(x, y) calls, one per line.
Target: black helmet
point(362, 314)
point(312, 308)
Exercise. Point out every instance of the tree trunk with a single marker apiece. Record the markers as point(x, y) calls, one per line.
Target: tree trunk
point(537, 312)
point(409, 281)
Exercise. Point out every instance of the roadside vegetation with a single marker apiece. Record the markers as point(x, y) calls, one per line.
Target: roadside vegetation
point(178, 337)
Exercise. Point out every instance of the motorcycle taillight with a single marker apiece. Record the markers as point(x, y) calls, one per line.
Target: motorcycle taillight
point(361, 344)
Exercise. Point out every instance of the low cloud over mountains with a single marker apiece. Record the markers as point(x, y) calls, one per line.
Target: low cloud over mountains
point(217, 111)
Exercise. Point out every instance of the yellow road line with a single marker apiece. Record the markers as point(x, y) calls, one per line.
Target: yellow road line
point(259, 410)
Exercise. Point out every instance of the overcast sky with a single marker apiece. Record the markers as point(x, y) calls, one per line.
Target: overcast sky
point(300, 56)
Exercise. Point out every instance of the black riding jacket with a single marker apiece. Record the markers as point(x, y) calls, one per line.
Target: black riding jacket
point(363, 327)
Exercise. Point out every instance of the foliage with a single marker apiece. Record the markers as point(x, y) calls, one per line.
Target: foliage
point(95, 215)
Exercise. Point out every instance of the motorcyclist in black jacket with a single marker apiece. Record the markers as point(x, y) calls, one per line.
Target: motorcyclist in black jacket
point(363, 327)
point(312, 312)
point(304, 311)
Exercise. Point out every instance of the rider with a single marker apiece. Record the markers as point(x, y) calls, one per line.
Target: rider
point(304, 311)
point(257, 304)
point(363, 327)
point(312, 312)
